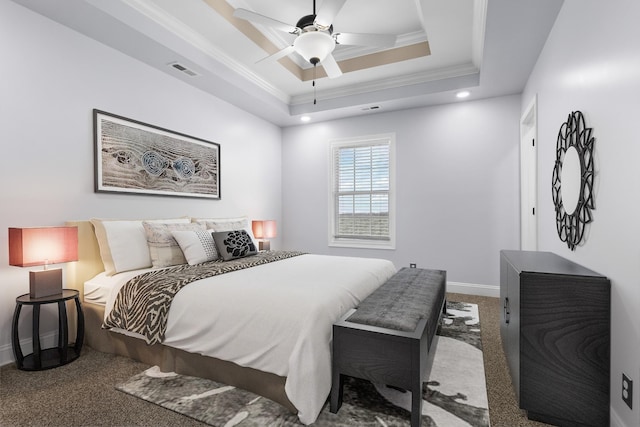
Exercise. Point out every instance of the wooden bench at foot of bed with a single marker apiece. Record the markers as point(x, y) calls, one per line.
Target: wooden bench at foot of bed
point(391, 337)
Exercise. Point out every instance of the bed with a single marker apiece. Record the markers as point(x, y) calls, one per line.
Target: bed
point(266, 329)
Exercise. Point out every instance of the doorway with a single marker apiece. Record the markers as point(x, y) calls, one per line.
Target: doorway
point(528, 178)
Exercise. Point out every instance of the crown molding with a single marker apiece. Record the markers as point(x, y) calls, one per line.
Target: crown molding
point(168, 22)
point(390, 83)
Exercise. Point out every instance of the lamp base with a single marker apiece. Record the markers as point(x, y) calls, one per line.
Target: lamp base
point(45, 283)
point(264, 245)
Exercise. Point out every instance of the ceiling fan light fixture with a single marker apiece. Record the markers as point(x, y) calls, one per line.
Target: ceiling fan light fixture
point(314, 46)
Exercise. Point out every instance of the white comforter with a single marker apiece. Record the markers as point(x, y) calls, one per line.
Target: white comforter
point(276, 317)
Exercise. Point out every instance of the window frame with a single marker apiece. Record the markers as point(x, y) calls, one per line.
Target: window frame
point(363, 243)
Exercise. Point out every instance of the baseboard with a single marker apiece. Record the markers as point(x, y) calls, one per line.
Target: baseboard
point(6, 355)
point(615, 419)
point(47, 340)
point(473, 289)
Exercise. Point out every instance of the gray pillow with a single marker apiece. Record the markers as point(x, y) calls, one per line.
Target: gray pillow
point(234, 244)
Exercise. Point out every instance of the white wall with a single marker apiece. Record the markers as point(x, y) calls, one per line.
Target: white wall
point(591, 63)
point(50, 80)
point(457, 185)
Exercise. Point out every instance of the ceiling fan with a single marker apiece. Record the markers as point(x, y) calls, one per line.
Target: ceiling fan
point(315, 39)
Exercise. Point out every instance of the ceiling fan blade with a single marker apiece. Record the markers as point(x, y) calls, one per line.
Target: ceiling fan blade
point(248, 15)
point(331, 67)
point(327, 13)
point(279, 54)
point(380, 40)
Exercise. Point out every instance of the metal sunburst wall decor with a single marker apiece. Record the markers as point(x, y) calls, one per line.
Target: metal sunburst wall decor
point(574, 213)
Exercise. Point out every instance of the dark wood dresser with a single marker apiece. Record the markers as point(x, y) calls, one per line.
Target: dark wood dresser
point(555, 330)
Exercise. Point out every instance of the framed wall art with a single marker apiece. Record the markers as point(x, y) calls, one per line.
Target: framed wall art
point(136, 157)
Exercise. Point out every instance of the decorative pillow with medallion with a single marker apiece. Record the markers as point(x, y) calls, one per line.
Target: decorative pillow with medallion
point(234, 244)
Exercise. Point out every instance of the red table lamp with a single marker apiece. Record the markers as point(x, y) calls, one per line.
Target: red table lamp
point(43, 246)
point(264, 230)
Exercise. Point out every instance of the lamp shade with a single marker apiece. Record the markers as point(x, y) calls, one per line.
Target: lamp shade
point(42, 246)
point(314, 45)
point(264, 229)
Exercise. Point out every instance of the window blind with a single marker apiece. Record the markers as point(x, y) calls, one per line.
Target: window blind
point(361, 191)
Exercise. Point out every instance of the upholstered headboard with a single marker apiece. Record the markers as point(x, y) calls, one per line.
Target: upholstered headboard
point(89, 262)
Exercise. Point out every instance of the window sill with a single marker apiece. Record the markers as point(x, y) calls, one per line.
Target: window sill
point(362, 244)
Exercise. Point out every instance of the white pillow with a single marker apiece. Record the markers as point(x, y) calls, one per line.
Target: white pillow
point(234, 223)
point(227, 224)
point(163, 248)
point(123, 243)
point(197, 246)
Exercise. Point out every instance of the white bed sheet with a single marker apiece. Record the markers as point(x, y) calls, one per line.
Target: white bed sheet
point(275, 317)
point(98, 289)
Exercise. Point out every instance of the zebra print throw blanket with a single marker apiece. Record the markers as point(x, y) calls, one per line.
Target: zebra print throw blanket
point(142, 305)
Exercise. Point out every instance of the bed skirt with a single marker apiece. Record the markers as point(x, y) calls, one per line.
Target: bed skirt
point(170, 359)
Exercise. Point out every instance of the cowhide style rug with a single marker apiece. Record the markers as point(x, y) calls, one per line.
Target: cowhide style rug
point(454, 395)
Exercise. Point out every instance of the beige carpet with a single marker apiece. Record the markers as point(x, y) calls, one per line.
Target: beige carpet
point(83, 393)
point(503, 408)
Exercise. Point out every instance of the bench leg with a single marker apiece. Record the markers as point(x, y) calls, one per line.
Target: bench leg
point(336, 392)
point(416, 406)
point(418, 360)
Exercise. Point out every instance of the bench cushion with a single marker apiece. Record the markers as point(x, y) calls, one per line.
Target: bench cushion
point(410, 295)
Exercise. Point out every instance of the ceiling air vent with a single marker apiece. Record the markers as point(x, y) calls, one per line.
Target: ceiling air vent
point(178, 66)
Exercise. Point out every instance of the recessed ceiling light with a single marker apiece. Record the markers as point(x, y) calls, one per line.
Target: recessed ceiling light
point(305, 118)
point(463, 94)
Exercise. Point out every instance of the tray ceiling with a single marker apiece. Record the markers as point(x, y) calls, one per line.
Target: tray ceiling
point(485, 46)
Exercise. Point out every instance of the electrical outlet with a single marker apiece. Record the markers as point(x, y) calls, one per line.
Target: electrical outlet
point(412, 265)
point(627, 391)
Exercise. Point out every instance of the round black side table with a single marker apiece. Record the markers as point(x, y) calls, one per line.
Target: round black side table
point(53, 357)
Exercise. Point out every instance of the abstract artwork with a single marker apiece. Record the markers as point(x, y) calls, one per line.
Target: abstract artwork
point(135, 157)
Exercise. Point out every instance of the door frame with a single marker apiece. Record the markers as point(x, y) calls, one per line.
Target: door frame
point(529, 177)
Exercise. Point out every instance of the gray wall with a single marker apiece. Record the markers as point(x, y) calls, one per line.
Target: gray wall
point(47, 93)
point(591, 63)
point(457, 185)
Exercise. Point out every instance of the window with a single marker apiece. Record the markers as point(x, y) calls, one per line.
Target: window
point(362, 187)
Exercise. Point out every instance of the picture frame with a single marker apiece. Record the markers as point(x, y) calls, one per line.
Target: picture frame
point(139, 158)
